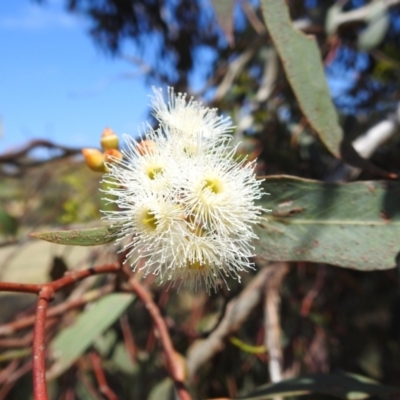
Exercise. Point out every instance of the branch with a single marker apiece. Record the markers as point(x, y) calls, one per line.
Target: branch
point(19, 158)
point(101, 378)
point(39, 331)
point(272, 322)
point(366, 144)
point(69, 279)
point(252, 17)
point(360, 14)
point(25, 322)
point(146, 69)
point(308, 299)
point(7, 371)
point(17, 342)
point(174, 366)
point(14, 376)
point(46, 292)
point(87, 383)
point(237, 311)
point(128, 338)
point(264, 91)
point(237, 65)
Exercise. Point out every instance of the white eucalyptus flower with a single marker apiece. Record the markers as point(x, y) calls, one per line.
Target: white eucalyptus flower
point(189, 122)
point(184, 205)
point(219, 193)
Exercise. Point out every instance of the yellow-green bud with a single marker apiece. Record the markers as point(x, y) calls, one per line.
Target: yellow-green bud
point(112, 155)
point(109, 140)
point(94, 160)
point(146, 147)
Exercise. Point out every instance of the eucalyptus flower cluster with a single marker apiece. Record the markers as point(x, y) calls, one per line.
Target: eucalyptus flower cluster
point(185, 206)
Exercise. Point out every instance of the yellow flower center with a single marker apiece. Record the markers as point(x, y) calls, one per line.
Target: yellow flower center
point(153, 171)
point(214, 185)
point(196, 265)
point(149, 220)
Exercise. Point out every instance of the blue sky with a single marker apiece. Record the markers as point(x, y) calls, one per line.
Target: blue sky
point(56, 84)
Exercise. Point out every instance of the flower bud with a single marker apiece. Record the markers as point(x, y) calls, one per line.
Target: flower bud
point(112, 155)
point(94, 160)
point(109, 140)
point(146, 147)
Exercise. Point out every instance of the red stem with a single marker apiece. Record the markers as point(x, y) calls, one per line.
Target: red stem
point(19, 287)
point(307, 302)
point(45, 293)
point(79, 275)
point(11, 327)
point(174, 366)
point(128, 338)
point(12, 378)
point(101, 378)
point(39, 331)
point(72, 277)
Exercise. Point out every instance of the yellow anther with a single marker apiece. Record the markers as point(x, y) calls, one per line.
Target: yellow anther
point(197, 265)
point(213, 184)
point(149, 220)
point(153, 171)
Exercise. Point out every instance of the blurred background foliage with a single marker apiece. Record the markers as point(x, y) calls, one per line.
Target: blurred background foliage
point(332, 319)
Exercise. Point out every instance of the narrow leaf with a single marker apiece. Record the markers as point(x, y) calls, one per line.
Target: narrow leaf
point(343, 386)
point(224, 12)
point(73, 341)
point(301, 60)
point(376, 29)
point(353, 225)
point(163, 390)
point(80, 237)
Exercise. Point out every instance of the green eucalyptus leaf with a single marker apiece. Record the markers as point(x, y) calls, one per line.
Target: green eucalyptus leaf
point(224, 12)
point(74, 340)
point(343, 386)
point(80, 237)
point(122, 360)
point(351, 225)
point(301, 60)
point(375, 31)
point(164, 390)
point(104, 343)
point(331, 22)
